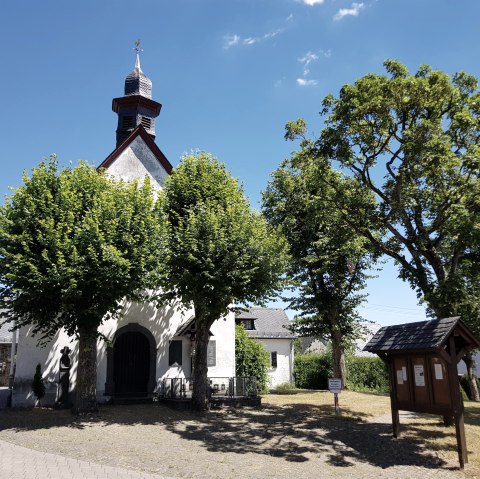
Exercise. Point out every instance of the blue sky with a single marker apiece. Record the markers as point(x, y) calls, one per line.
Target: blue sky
point(229, 73)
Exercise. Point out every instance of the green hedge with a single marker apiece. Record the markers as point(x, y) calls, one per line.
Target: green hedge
point(312, 371)
point(465, 385)
point(367, 374)
point(363, 374)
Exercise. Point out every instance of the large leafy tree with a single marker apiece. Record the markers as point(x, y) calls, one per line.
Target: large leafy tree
point(414, 142)
point(220, 252)
point(73, 244)
point(329, 259)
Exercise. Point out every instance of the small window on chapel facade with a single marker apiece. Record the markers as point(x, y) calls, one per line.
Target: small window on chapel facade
point(175, 353)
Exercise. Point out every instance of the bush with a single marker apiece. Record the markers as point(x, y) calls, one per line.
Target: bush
point(367, 374)
point(251, 358)
point(312, 371)
point(465, 385)
point(363, 374)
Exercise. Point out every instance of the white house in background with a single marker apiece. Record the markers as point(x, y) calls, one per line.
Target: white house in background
point(149, 344)
point(269, 326)
point(372, 328)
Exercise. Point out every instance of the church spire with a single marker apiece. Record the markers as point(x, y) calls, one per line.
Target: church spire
point(136, 107)
point(137, 61)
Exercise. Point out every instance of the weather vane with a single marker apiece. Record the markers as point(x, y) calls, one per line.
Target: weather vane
point(137, 46)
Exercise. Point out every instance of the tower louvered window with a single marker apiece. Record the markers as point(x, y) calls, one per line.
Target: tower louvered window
point(146, 122)
point(127, 122)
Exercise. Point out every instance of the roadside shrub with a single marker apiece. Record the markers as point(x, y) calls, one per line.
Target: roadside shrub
point(285, 387)
point(312, 371)
point(465, 385)
point(463, 393)
point(367, 374)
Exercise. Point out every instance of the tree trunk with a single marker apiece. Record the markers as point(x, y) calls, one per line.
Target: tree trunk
point(200, 370)
point(470, 362)
point(86, 383)
point(339, 368)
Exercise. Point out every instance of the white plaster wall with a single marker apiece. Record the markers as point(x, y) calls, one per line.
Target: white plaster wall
point(283, 373)
point(163, 323)
point(136, 162)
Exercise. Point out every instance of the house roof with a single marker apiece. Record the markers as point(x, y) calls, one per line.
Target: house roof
point(269, 323)
point(423, 335)
point(139, 131)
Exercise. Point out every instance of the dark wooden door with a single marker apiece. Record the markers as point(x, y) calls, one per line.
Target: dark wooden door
point(131, 364)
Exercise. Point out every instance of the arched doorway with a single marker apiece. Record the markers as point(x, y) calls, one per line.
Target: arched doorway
point(131, 363)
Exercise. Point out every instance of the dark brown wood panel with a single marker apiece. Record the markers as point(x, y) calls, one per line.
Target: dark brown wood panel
point(420, 380)
point(402, 379)
point(440, 384)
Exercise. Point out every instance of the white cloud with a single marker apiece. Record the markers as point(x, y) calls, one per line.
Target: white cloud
point(354, 11)
point(231, 40)
point(234, 40)
point(312, 2)
point(308, 58)
point(305, 82)
point(326, 53)
point(289, 18)
point(272, 34)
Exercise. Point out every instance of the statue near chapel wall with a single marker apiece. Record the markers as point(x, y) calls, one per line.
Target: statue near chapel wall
point(63, 387)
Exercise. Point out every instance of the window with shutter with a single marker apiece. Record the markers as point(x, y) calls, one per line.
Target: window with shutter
point(175, 353)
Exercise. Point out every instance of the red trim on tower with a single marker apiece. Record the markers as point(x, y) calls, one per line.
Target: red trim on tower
point(139, 131)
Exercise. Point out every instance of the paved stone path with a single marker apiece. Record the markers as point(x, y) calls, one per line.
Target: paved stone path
point(18, 462)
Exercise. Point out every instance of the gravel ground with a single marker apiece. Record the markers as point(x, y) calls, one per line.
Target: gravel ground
point(269, 442)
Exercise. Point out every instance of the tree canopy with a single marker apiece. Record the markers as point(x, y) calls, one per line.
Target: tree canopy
point(414, 142)
point(73, 244)
point(220, 252)
point(329, 259)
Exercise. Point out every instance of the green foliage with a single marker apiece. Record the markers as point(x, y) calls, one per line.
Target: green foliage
point(220, 252)
point(311, 371)
point(251, 358)
point(285, 387)
point(466, 387)
point(413, 140)
point(328, 258)
point(38, 387)
point(367, 374)
point(73, 244)
point(364, 374)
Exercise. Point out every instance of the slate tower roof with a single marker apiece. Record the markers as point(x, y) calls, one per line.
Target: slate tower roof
point(136, 107)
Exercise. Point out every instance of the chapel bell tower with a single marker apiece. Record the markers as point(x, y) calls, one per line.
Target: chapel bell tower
point(136, 107)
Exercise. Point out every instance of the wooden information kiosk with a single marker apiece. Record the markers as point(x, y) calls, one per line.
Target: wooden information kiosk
point(422, 362)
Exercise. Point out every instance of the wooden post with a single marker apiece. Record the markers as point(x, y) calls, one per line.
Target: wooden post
point(457, 402)
point(393, 398)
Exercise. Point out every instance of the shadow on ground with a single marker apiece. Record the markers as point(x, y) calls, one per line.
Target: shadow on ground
point(295, 433)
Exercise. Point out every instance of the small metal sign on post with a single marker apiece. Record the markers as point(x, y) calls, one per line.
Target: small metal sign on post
point(335, 387)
